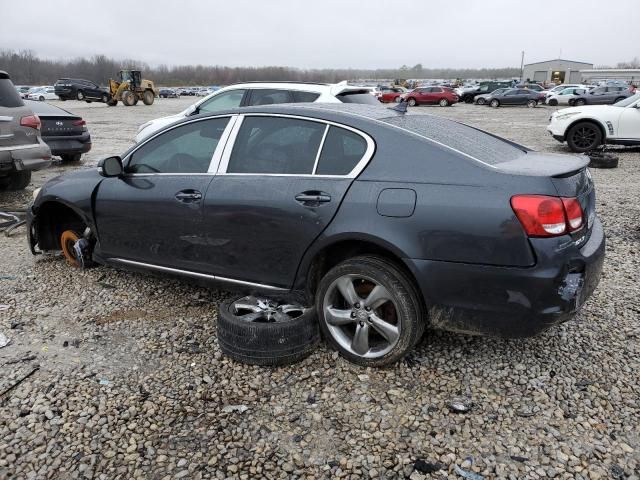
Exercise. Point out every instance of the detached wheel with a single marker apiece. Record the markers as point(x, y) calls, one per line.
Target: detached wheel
point(67, 240)
point(481, 101)
point(494, 103)
point(602, 160)
point(532, 103)
point(263, 331)
point(148, 97)
point(583, 137)
point(412, 102)
point(370, 311)
point(80, 95)
point(443, 102)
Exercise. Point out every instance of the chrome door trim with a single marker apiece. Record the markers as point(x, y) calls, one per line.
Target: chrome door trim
point(188, 273)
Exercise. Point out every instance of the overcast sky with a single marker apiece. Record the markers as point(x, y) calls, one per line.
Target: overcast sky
point(326, 33)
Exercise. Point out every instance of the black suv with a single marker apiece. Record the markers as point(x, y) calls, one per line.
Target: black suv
point(485, 87)
point(78, 89)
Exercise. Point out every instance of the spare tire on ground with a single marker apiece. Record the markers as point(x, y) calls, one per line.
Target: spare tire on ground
point(602, 160)
point(266, 331)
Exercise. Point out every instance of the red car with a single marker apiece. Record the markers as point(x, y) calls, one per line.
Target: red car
point(443, 96)
point(391, 94)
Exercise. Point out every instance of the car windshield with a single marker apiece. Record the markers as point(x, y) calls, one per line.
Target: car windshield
point(628, 101)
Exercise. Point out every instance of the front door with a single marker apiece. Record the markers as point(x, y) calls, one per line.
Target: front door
point(153, 213)
point(277, 190)
point(629, 123)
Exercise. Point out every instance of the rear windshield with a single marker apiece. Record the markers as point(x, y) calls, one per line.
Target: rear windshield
point(9, 97)
point(358, 96)
point(475, 143)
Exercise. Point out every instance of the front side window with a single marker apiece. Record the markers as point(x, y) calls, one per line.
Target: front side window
point(276, 145)
point(184, 149)
point(222, 101)
point(269, 97)
point(436, 90)
point(341, 152)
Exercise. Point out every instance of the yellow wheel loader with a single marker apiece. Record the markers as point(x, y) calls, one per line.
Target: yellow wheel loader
point(131, 87)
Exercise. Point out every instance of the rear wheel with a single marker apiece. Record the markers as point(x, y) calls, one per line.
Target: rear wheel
point(412, 102)
point(129, 98)
point(104, 98)
point(494, 103)
point(619, 99)
point(80, 95)
point(481, 101)
point(370, 311)
point(71, 157)
point(583, 137)
point(443, 102)
point(67, 241)
point(579, 102)
point(398, 99)
point(532, 103)
point(148, 97)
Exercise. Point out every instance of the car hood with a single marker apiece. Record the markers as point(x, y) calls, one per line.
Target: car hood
point(592, 111)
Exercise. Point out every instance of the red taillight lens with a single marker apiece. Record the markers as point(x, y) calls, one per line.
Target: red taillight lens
point(574, 213)
point(32, 121)
point(544, 216)
point(79, 123)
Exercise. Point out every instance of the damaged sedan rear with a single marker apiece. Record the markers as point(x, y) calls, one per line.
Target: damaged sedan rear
point(386, 222)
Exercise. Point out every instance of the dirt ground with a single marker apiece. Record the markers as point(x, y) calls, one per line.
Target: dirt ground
point(123, 377)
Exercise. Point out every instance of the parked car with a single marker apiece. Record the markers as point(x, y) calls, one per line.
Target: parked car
point(560, 88)
point(602, 96)
point(336, 206)
point(260, 93)
point(79, 89)
point(21, 147)
point(564, 96)
point(42, 93)
point(23, 90)
point(482, 99)
point(531, 86)
point(168, 93)
point(203, 92)
point(585, 129)
point(515, 96)
point(64, 132)
point(469, 96)
point(442, 96)
point(391, 94)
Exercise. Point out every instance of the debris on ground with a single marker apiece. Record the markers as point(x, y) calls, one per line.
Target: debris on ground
point(4, 340)
point(19, 381)
point(460, 404)
point(235, 408)
point(467, 474)
point(423, 466)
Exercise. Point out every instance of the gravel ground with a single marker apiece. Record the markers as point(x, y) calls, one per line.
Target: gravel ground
point(125, 379)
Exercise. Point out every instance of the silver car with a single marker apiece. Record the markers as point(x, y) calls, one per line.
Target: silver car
point(21, 147)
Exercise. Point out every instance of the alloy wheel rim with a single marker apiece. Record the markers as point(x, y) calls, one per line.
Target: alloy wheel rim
point(253, 309)
point(584, 137)
point(361, 316)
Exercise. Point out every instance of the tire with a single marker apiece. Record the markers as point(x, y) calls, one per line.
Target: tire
point(532, 104)
point(468, 99)
point(16, 180)
point(443, 102)
point(412, 102)
point(398, 99)
point(128, 98)
point(80, 95)
point(553, 102)
point(401, 303)
point(62, 99)
point(71, 157)
point(261, 342)
point(148, 97)
point(480, 101)
point(618, 99)
point(112, 103)
point(584, 137)
point(494, 103)
point(603, 160)
point(41, 99)
point(104, 98)
point(88, 101)
point(67, 241)
point(579, 102)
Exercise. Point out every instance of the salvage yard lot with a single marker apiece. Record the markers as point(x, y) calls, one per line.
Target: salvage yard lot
point(131, 383)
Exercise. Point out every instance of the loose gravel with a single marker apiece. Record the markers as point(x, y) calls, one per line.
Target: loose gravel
point(123, 378)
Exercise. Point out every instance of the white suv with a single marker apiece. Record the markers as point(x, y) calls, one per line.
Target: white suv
point(589, 126)
point(264, 93)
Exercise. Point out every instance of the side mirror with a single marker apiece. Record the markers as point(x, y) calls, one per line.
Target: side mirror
point(110, 167)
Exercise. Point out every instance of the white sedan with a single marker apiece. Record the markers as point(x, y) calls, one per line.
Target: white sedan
point(587, 127)
point(43, 93)
point(562, 97)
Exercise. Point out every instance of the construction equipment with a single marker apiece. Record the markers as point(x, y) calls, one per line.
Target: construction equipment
point(131, 87)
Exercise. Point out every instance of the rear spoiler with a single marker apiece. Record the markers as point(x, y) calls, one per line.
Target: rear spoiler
point(342, 87)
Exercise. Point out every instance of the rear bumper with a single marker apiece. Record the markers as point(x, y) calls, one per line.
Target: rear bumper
point(61, 145)
point(513, 302)
point(32, 157)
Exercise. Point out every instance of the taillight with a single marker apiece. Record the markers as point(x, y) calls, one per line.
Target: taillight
point(32, 121)
point(544, 216)
point(79, 123)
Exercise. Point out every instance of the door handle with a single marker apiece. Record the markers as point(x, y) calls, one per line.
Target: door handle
point(188, 196)
point(313, 198)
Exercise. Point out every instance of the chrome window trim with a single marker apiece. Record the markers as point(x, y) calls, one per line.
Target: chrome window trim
point(189, 273)
point(320, 147)
point(217, 153)
point(359, 167)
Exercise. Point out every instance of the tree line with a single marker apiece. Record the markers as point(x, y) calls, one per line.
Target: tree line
point(26, 68)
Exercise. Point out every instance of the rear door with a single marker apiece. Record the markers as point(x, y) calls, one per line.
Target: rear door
point(280, 182)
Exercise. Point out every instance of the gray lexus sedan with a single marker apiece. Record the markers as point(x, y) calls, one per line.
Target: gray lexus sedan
point(387, 222)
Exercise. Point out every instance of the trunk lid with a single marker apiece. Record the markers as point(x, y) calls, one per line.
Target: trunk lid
point(60, 125)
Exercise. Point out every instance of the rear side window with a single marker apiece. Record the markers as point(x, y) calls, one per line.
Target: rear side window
point(358, 96)
point(276, 145)
point(184, 149)
point(269, 97)
point(341, 152)
point(9, 96)
point(304, 97)
point(222, 101)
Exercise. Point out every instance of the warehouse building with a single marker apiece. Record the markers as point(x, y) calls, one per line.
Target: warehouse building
point(629, 75)
point(556, 71)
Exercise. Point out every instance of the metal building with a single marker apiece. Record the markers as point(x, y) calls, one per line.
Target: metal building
point(631, 75)
point(556, 71)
